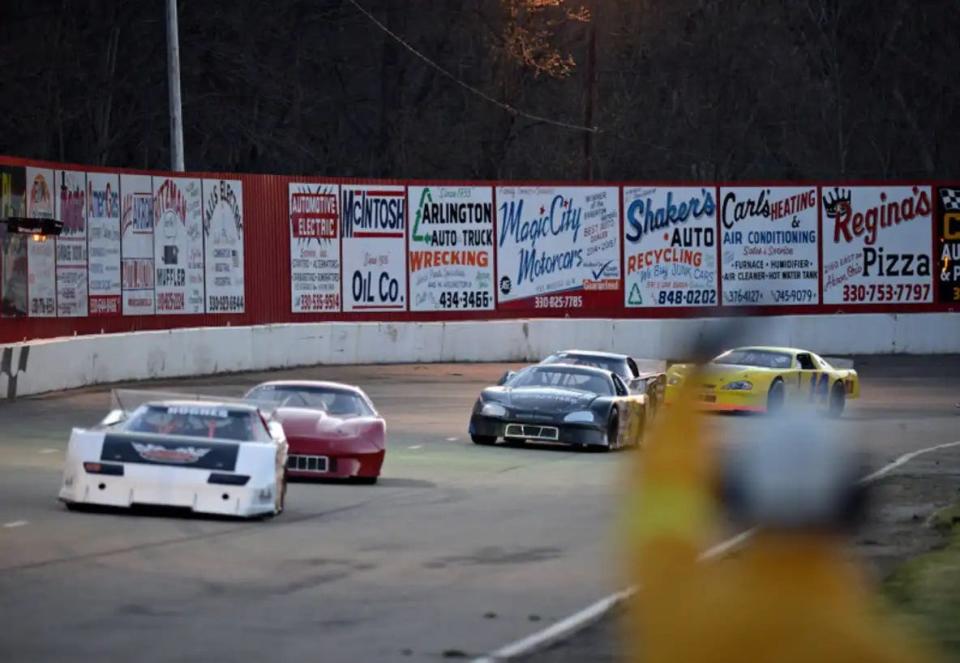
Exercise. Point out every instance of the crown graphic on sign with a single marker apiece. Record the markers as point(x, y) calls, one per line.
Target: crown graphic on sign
point(836, 202)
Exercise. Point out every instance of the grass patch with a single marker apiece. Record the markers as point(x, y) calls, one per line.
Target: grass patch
point(927, 588)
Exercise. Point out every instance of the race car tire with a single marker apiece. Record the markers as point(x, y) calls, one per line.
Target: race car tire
point(283, 494)
point(366, 481)
point(838, 400)
point(484, 440)
point(775, 396)
point(613, 430)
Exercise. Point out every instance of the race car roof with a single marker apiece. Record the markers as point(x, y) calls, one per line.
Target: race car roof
point(592, 353)
point(574, 368)
point(309, 384)
point(767, 348)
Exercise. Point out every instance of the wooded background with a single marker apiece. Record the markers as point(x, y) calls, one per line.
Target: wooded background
point(678, 89)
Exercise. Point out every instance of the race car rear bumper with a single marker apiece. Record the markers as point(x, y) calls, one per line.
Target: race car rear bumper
point(725, 400)
point(581, 434)
point(165, 486)
point(335, 458)
point(319, 465)
point(731, 403)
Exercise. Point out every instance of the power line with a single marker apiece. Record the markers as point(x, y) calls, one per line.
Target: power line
point(480, 93)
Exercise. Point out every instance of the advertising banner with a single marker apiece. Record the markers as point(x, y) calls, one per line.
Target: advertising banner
point(13, 184)
point(314, 248)
point(769, 248)
point(13, 261)
point(72, 244)
point(223, 245)
point(451, 248)
point(948, 244)
point(13, 247)
point(876, 245)
point(178, 245)
point(136, 244)
point(558, 247)
point(103, 243)
point(670, 246)
point(374, 222)
point(41, 252)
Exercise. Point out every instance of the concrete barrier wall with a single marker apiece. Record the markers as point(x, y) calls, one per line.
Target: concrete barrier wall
point(50, 365)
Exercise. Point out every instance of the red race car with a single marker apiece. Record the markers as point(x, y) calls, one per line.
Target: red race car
point(333, 430)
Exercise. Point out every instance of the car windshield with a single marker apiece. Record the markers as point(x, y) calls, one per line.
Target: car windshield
point(613, 364)
point(211, 421)
point(338, 402)
point(563, 378)
point(758, 358)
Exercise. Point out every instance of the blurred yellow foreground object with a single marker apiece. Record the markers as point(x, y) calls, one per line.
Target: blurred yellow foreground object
point(790, 595)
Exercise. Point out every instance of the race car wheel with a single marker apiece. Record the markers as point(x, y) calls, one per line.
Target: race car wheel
point(838, 400)
point(484, 440)
point(613, 430)
point(283, 494)
point(775, 396)
point(367, 481)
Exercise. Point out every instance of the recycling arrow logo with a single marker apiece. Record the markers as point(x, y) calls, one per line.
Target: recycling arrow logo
point(636, 298)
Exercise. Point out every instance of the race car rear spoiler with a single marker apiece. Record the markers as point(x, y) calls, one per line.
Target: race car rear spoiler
point(839, 362)
point(651, 366)
point(836, 362)
point(125, 401)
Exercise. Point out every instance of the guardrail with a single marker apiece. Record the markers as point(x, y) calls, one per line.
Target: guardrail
point(66, 363)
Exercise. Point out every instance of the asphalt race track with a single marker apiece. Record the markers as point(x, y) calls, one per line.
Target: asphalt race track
point(457, 551)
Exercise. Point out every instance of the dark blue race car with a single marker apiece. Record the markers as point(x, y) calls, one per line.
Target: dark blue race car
point(560, 404)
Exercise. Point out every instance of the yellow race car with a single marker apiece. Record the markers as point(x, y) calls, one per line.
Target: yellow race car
point(763, 379)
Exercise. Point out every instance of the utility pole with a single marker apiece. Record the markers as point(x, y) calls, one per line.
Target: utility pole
point(591, 93)
point(173, 83)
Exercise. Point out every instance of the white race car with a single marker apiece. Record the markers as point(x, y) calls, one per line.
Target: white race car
point(214, 456)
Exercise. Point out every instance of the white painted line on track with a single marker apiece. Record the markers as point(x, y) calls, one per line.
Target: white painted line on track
point(416, 446)
point(905, 458)
point(15, 523)
point(452, 439)
point(570, 625)
point(48, 451)
point(558, 631)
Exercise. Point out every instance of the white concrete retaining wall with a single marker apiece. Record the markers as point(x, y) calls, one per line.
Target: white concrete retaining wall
point(65, 363)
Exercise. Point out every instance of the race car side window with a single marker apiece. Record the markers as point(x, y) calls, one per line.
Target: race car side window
point(619, 386)
point(806, 362)
point(634, 370)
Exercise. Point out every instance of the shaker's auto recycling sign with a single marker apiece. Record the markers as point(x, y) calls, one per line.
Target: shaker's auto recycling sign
point(670, 247)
